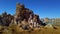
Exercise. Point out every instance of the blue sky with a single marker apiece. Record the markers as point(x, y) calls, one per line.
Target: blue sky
point(44, 8)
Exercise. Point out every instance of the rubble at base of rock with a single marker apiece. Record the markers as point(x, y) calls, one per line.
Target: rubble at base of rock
point(24, 17)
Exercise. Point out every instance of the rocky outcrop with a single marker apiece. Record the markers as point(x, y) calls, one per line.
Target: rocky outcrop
point(22, 12)
point(25, 13)
point(5, 19)
point(24, 17)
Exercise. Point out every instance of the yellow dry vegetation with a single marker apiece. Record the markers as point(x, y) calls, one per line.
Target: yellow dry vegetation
point(14, 29)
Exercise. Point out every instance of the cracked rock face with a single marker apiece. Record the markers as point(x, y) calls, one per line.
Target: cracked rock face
point(21, 14)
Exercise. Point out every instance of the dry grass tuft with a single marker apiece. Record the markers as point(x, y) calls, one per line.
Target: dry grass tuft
point(15, 29)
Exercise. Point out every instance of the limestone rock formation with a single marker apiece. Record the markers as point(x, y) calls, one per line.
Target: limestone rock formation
point(5, 19)
point(22, 12)
point(23, 16)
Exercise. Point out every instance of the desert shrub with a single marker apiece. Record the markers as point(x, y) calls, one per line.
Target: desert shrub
point(15, 28)
point(6, 31)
